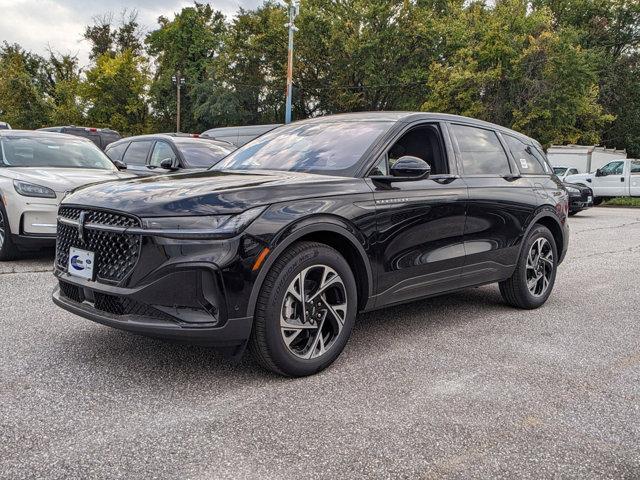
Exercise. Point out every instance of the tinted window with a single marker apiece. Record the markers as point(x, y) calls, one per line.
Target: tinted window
point(161, 151)
point(115, 152)
point(524, 156)
point(62, 152)
point(137, 153)
point(203, 153)
point(635, 167)
point(332, 147)
point(559, 171)
point(481, 151)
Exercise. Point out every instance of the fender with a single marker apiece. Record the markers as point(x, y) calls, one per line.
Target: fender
point(293, 233)
point(545, 211)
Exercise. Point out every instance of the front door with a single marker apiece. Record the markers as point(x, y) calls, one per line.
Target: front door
point(419, 248)
point(611, 182)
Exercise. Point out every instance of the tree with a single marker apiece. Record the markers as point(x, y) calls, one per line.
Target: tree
point(23, 101)
point(107, 38)
point(115, 92)
point(187, 44)
point(511, 66)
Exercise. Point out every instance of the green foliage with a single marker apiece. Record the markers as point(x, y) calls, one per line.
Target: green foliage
point(115, 91)
point(186, 44)
point(558, 70)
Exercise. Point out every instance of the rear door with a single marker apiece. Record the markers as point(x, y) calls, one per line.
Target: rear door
point(501, 202)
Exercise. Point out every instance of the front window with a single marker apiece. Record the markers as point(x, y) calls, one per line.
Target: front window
point(613, 168)
point(62, 152)
point(559, 171)
point(329, 148)
point(202, 153)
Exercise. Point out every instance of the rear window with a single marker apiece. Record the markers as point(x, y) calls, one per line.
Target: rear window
point(635, 167)
point(481, 151)
point(525, 157)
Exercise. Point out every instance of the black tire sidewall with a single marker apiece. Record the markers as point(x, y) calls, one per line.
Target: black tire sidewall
point(284, 359)
point(536, 233)
point(7, 250)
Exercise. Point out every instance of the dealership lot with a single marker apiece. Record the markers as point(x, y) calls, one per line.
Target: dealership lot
point(458, 386)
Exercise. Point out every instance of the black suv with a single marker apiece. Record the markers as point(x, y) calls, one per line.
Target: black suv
point(146, 155)
point(100, 136)
point(283, 242)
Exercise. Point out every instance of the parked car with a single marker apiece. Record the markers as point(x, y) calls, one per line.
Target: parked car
point(238, 135)
point(563, 172)
point(620, 178)
point(100, 136)
point(5, 126)
point(580, 197)
point(164, 153)
point(37, 169)
point(281, 243)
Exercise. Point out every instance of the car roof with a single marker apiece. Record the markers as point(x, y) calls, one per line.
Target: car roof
point(409, 117)
point(41, 134)
point(170, 137)
point(77, 127)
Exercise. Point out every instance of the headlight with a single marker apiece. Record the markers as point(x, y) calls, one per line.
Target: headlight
point(571, 189)
point(216, 226)
point(32, 190)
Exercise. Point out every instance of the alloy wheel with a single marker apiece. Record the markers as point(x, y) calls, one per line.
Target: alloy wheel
point(313, 312)
point(540, 266)
point(2, 230)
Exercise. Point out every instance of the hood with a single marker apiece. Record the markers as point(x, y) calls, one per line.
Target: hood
point(577, 177)
point(62, 179)
point(211, 192)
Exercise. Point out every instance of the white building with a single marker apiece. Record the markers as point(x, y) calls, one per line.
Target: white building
point(583, 157)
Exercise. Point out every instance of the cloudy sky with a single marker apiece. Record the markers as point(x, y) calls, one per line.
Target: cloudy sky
point(36, 24)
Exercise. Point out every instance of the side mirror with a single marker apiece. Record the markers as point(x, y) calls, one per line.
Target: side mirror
point(120, 165)
point(406, 169)
point(599, 173)
point(169, 164)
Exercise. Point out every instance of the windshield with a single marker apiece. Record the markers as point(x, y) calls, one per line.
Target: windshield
point(310, 147)
point(47, 151)
point(559, 170)
point(203, 153)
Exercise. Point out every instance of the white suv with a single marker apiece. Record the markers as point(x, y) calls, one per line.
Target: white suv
point(37, 169)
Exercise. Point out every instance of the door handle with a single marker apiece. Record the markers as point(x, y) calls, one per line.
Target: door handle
point(622, 179)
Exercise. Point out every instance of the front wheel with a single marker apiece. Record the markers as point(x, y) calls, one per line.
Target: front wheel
point(532, 282)
point(7, 248)
point(305, 311)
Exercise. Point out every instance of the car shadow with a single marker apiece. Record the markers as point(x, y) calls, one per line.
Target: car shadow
point(108, 348)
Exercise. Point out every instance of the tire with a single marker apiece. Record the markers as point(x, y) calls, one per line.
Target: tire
point(597, 201)
point(8, 250)
point(516, 290)
point(297, 352)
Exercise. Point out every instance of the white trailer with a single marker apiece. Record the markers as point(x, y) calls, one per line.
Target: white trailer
point(586, 158)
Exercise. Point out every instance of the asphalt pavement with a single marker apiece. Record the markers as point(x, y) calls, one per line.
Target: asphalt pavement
point(459, 386)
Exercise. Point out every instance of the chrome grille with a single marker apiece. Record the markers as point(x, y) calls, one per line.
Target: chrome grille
point(116, 253)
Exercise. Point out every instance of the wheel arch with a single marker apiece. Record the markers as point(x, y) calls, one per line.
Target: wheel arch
point(332, 234)
point(548, 218)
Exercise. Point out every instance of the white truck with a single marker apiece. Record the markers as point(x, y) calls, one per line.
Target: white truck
point(619, 178)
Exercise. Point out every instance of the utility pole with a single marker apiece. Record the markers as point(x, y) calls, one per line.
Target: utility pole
point(294, 10)
point(178, 81)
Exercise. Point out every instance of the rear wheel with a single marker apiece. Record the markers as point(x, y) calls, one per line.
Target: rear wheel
point(532, 282)
point(598, 200)
point(305, 311)
point(7, 248)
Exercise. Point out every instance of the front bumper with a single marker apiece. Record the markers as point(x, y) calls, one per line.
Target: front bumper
point(185, 302)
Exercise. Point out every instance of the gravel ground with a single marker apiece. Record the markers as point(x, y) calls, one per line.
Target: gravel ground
point(453, 387)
